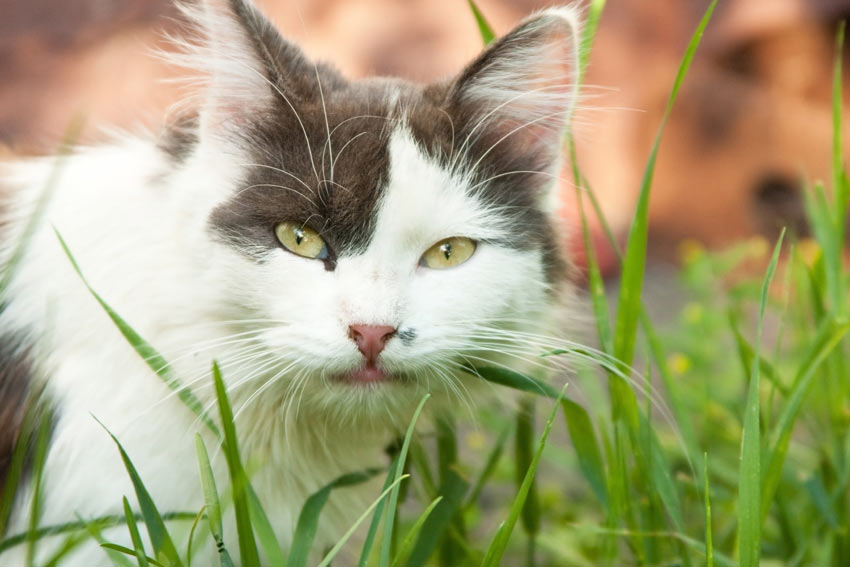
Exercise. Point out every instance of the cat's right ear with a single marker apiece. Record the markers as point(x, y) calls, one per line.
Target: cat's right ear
point(247, 68)
point(519, 94)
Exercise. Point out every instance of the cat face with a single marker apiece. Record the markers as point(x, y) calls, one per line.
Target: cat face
point(382, 233)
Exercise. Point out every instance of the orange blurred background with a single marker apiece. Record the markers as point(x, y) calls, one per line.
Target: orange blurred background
point(751, 126)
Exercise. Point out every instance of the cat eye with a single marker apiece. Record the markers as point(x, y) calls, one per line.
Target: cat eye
point(448, 253)
point(301, 240)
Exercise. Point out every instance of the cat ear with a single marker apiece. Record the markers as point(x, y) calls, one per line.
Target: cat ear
point(248, 67)
point(517, 97)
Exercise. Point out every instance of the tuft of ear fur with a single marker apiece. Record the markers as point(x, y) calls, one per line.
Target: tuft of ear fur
point(521, 91)
point(245, 66)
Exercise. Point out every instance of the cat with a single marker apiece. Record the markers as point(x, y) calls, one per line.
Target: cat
point(339, 247)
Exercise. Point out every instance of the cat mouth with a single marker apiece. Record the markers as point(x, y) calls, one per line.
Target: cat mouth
point(369, 373)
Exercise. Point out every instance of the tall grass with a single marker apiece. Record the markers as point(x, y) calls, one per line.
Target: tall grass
point(753, 466)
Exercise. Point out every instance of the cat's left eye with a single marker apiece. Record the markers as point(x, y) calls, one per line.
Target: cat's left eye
point(301, 240)
point(448, 253)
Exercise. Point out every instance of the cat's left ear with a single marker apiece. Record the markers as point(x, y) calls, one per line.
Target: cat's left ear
point(249, 68)
point(517, 97)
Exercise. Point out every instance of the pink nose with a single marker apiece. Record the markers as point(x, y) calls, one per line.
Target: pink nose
point(371, 339)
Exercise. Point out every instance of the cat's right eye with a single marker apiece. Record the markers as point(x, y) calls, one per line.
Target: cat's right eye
point(301, 240)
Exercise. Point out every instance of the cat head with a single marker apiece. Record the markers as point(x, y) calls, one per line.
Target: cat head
point(381, 233)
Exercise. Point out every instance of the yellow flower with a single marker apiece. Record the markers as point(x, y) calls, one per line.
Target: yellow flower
point(678, 363)
point(690, 251)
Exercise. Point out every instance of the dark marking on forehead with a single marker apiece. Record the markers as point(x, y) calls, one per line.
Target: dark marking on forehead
point(298, 172)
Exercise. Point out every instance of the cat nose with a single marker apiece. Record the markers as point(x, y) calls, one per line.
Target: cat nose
point(371, 339)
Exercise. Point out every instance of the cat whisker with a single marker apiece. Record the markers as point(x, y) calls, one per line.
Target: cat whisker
point(281, 171)
point(343, 148)
point(265, 386)
point(452, 124)
point(457, 385)
point(327, 124)
point(616, 369)
point(511, 133)
point(275, 186)
point(518, 172)
point(360, 116)
point(195, 350)
point(335, 184)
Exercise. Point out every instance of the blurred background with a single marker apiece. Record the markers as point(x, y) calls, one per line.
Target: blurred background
point(752, 124)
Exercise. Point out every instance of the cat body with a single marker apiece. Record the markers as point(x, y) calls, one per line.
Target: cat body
point(293, 228)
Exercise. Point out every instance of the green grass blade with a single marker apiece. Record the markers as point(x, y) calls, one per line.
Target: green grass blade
point(127, 551)
point(584, 441)
point(683, 417)
point(403, 556)
point(163, 545)
point(453, 488)
point(7, 271)
point(392, 503)
point(420, 461)
point(71, 542)
point(511, 379)
point(42, 438)
point(347, 535)
point(263, 530)
point(308, 519)
point(656, 350)
point(523, 454)
point(138, 547)
point(749, 479)
point(93, 529)
point(827, 338)
point(189, 541)
point(211, 501)
point(376, 519)
point(747, 356)
point(709, 546)
point(451, 550)
point(591, 22)
point(659, 472)
point(818, 209)
point(631, 284)
point(212, 505)
point(150, 355)
point(817, 492)
point(595, 283)
point(487, 35)
point(489, 466)
point(238, 479)
point(499, 544)
point(67, 527)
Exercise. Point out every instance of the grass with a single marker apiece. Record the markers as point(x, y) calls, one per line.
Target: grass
point(745, 460)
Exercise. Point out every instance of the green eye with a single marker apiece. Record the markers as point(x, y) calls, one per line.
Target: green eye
point(301, 240)
point(448, 253)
